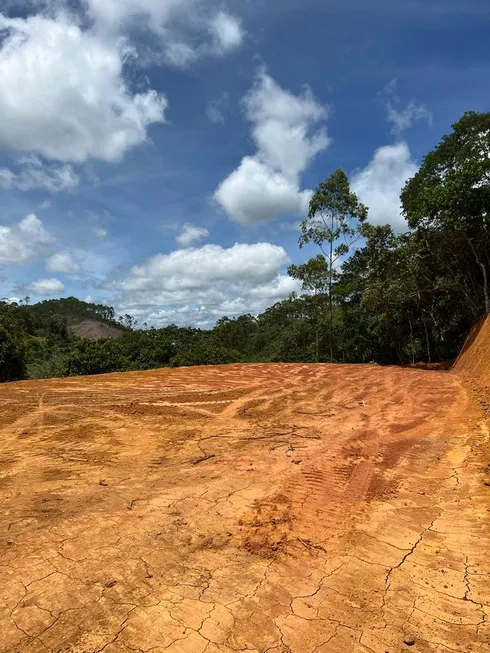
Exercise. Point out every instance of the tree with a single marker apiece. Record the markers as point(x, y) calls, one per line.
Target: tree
point(451, 191)
point(315, 278)
point(128, 322)
point(333, 221)
point(12, 350)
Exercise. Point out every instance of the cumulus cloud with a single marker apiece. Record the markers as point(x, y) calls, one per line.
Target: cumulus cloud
point(380, 183)
point(196, 268)
point(63, 263)
point(64, 95)
point(42, 287)
point(255, 193)
point(34, 174)
point(199, 285)
point(191, 234)
point(24, 241)
point(285, 130)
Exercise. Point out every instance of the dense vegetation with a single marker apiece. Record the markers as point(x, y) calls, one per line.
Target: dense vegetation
point(369, 296)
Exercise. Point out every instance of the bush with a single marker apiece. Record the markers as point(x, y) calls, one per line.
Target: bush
point(204, 353)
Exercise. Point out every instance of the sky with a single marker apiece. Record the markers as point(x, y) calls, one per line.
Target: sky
point(158, 155)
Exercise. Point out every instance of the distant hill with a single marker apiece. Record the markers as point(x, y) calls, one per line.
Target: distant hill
point(38, 340)
point(96, 330)
point(70, 309)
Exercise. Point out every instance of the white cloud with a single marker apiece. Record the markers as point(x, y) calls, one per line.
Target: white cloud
point(226, 31)
point(179, 54)
point(43, 287)
point(380, 183)
point(63, 263)
point(255, 193)
point(187, 269)
point(64, 95)
point(185, 29)
point(111, 14)
point(24, 241)
point(402, 119)
point(34, 174)
point(202, 284)
point(267, 184)
point(281, 125)
point(191, 234)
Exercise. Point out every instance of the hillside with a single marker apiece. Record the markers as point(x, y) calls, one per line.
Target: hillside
point(95, 330)
point(38, 340)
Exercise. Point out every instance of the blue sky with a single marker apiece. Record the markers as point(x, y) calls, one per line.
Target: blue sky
point(157, 155)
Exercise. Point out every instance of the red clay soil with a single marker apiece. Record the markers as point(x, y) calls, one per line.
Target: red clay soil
point(474, 360)
point(258, 508)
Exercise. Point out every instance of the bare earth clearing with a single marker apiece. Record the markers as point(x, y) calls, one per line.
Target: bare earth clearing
point(259, 508)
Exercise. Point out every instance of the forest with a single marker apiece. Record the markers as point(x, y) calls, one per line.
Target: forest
point(369, 296)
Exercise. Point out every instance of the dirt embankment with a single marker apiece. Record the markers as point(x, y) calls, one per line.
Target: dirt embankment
point(258, 508)
point(473, 363)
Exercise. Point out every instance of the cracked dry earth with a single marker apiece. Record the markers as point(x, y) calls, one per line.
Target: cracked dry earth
point(258, 508)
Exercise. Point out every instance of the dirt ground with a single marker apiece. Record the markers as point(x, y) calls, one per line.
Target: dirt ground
point(259, 508)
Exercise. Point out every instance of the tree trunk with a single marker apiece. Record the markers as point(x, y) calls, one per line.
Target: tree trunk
point(411, 338)
point(483, 269)
point(427, 342)
point(330, 301)
point(485, 287)
point(316, 341)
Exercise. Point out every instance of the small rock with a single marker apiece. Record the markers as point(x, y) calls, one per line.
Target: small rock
point(422, 492)
point(103, 482)
point(409, 640)
point(111, 583)
point(296, 462)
